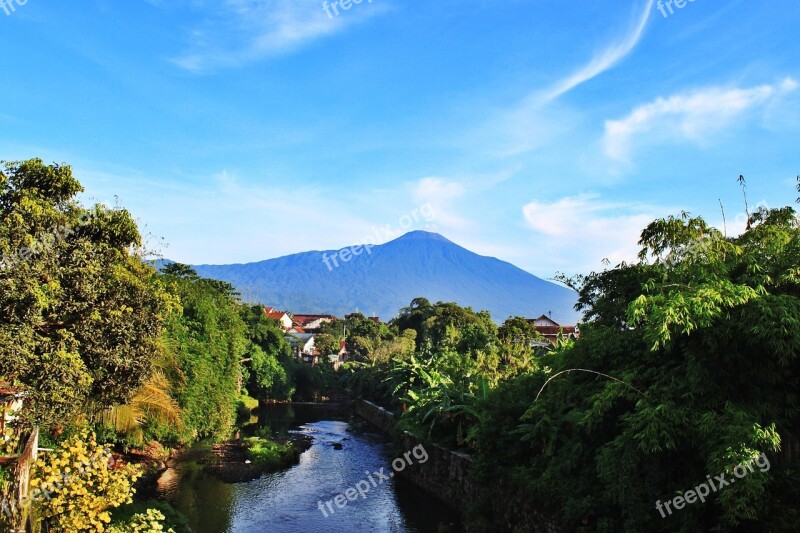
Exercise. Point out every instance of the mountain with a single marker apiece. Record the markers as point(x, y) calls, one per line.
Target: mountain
point(383, 279)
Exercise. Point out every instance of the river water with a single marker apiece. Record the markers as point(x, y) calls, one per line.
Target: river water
point(288, 501)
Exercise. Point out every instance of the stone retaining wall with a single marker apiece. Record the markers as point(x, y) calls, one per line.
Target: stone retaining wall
point(446, 474)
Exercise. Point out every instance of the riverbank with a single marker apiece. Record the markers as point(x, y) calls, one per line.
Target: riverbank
point(448, 475)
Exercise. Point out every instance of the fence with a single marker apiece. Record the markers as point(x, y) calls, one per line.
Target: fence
point(17, 511)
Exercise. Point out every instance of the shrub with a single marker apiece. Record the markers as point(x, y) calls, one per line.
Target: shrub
point(75, 486)
point(269, 453)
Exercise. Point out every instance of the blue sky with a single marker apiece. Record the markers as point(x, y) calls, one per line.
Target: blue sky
point(543, 132)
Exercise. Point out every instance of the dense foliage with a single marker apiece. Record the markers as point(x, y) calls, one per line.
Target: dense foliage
point(703, 332)
point(96, 338)
point(80, 313)
point(686, 368)
point(208, 342)
point(441, 362)
point(269, 357)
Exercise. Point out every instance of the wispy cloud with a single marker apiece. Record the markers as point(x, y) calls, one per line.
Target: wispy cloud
point(538, 120)
point(441, 194)
point(587, 230)
point(602, 61)
point(692, 117)
point(238, 32)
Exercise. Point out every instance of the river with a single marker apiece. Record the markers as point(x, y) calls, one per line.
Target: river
point(288, 501)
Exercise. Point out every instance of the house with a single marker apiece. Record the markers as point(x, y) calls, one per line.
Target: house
point(544, 321)
point(311, 359)
point(312, 323)
point(550, 329)
point(281, 316)
point(302, 343)
point(338, 359)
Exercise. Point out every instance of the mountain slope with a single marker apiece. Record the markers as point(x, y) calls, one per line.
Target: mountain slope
point(418, 264)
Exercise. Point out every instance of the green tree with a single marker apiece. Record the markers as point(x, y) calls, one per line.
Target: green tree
point(326, 344)
point(208, 341)
point(363, 336)
point(698, 348)
point(517, 338)
point(267, 368)
point(82, 315)
point(415, 317)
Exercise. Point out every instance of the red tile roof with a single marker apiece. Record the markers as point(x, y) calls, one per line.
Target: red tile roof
point(302, 320)
point(270, 312)
point(555, 330)
point(551, 333)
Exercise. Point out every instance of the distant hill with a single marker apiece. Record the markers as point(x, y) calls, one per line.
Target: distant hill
point(380, 283)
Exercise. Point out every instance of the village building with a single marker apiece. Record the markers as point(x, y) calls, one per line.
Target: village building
point(550, 329)
point(282, 317)
point(338, 359)
point(303, 344)
point(312, 323)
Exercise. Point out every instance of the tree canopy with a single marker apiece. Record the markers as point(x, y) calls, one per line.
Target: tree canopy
point(82, 314)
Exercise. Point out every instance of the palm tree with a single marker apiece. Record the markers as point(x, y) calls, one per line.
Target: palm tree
point(151, 403)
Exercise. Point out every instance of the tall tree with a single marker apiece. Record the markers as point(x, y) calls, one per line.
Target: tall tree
point(208, 340)
point(81, 315)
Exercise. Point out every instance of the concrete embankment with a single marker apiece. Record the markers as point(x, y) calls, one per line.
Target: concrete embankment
point(447, 475)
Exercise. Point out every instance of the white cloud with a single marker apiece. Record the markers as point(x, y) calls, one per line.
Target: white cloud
point(579, 232)
point(220, 219)
point(603, 60)
point(223, 218)
point(441, 194)
point(693, 116)
point(238, 32)
point(440, 189)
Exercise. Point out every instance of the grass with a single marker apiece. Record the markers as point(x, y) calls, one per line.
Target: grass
point(270, 454)
point(245, 406)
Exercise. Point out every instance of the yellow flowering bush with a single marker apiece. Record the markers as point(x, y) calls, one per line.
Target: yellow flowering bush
point(75, 486)
point(9, 443)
